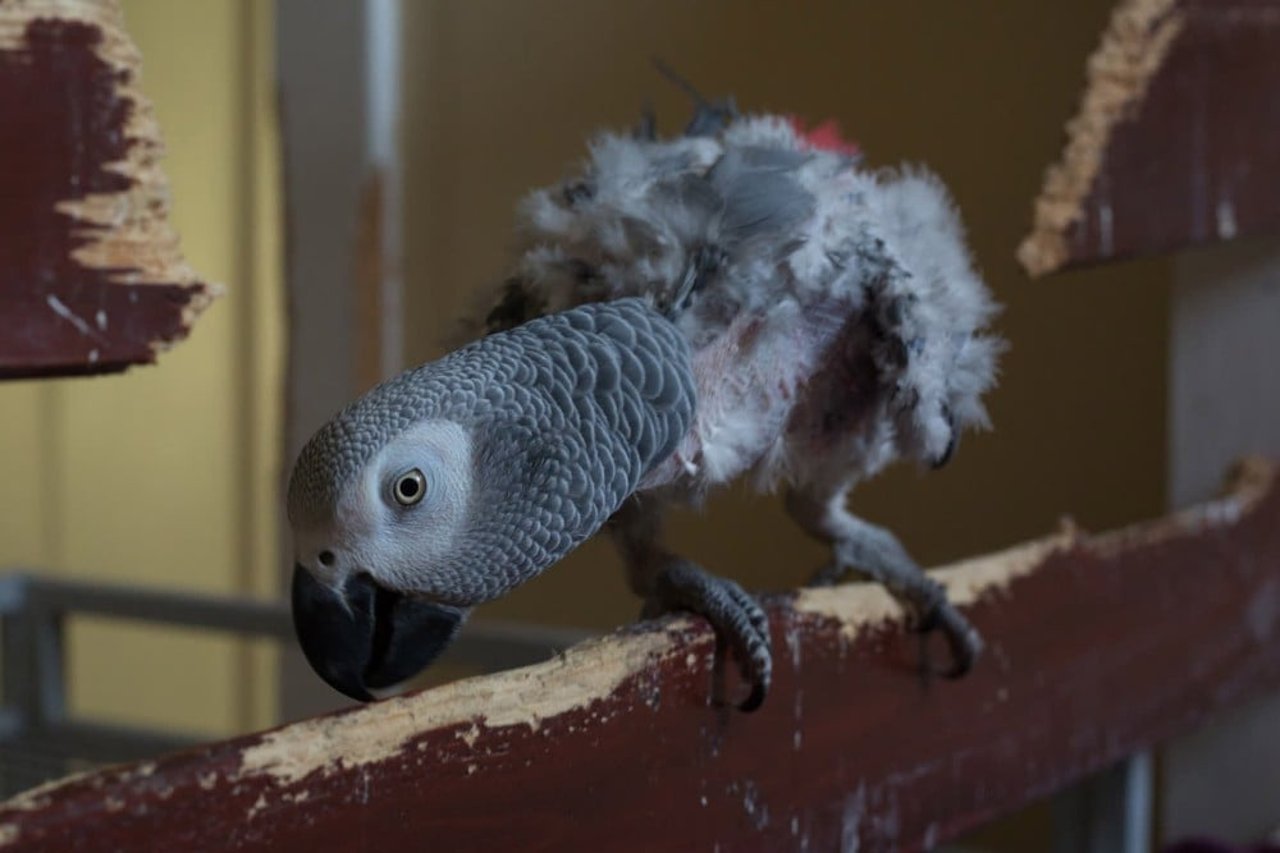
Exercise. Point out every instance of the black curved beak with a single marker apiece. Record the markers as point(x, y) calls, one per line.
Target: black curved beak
point(368, 637)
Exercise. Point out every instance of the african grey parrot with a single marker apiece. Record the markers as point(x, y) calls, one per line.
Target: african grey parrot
point(743, 299)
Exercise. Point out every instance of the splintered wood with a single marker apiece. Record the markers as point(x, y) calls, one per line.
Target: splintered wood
point(1172, 145)
point(1098, 646)
point(91, 276)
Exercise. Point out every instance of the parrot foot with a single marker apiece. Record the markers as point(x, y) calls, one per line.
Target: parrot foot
point(963, 640)
point(930, 610)
point(736, 616)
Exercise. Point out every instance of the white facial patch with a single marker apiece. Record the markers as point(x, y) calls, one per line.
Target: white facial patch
point(398, 545)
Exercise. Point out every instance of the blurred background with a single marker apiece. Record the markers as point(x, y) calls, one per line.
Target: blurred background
point(171, 475)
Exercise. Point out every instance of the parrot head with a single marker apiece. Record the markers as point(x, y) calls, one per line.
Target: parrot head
point(370, 536)
point(450, 484)
point(412, 505)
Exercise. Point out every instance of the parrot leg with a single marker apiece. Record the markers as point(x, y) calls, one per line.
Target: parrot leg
point(861, 549)
point(669, 583)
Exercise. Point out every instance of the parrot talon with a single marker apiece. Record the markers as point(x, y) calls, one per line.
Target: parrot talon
point(738, 619)
point(755, 699)
point(963, 640)
point(864, 551)
point(937, 613)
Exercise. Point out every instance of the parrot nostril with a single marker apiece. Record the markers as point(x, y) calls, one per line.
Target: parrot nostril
point(326, 558)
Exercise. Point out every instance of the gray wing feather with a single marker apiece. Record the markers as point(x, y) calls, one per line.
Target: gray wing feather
point(759, 192)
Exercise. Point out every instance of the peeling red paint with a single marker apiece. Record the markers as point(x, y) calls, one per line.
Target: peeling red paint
point(69, 135)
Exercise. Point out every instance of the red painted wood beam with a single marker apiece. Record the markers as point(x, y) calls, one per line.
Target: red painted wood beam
point(1173, 144)
point(91, 278)
point(1098, 646)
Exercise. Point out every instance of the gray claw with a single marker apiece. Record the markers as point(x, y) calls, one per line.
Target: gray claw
point(963, 641)
point(737, 618)
point(935, 613)
point(962, 638)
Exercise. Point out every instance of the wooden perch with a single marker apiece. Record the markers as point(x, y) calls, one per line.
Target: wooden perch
point(91, 277)
point(1098, 646)
point(1174, 141)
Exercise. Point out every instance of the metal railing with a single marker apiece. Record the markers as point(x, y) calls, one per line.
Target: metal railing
point(40, 740)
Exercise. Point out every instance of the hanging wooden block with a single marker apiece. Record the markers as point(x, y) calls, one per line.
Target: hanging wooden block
point(91, 276)
point(1173, 144)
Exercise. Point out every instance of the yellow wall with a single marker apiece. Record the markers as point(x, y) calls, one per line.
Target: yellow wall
point(166, 475)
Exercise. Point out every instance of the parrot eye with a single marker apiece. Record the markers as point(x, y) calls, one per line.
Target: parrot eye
point(410, 488)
